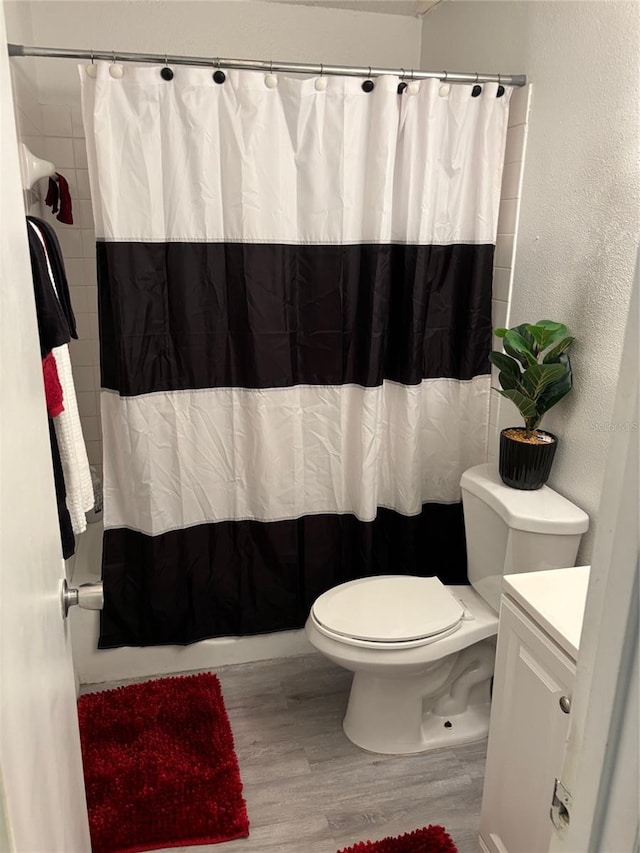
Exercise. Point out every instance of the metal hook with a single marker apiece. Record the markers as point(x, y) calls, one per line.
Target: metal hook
point(477, 76)
point(321, 69)
point(92, 62)
point(498, 79)
point(369, 71)
point(412, 73)
point(402, 76)
point(165, 59)
point(271, 66)
point(114, 56)
point(446, 76)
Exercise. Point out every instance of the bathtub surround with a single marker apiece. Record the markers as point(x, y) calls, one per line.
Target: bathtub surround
point(293, 346)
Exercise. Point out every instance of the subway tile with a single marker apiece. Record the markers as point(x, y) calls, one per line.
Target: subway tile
point(91, 429)
point(507, 217)
point(92, 299)
point(87, 326)
point(97, 381)
point(56, 120)
point(26, 126)
point(77, 127)
point(82, 183)
point(59, 151)
point(79, 303)
point(83, 353)
point(84, 377)
point(90, 272)
point(514, 151)
point(504, 251)
point(87, 404)
point(519, 106)
point(74, 268)
point(88, 243)
point(70, 242)
point(499, 313)
point(94, 452)
point(83, 213)
point(511, 181)
point(502, 284)
point(80, 153)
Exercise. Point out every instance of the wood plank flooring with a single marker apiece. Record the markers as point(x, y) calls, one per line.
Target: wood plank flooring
point(309, 789)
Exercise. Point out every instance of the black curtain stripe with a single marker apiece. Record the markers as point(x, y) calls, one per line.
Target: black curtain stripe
point(248, 577)
point(205, 315)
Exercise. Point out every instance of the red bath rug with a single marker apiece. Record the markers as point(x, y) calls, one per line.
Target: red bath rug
point(160, 767)
point(431, 839)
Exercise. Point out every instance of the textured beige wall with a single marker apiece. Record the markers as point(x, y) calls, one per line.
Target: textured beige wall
point(579, 217)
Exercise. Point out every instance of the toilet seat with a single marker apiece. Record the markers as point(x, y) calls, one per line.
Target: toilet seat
point(388, 611)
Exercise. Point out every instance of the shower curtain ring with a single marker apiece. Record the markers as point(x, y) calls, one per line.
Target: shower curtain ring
point(271, 81)
point(218, 75)
point(402, 85)
point(115, 70)
point(92, 70)
point(166, 73)
point(500, 91)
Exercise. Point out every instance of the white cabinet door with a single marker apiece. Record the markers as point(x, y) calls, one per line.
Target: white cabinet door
point(527, 735)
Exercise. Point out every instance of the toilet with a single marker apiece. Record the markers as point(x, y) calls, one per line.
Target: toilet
point(422, 653)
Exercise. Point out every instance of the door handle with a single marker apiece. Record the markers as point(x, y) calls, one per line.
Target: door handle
point(88, 596)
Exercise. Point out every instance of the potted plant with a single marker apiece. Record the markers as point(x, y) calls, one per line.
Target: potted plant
point(535, 374)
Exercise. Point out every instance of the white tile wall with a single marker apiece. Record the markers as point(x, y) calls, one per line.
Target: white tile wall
point(502, 412)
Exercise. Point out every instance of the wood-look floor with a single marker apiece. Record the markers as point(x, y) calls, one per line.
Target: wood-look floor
point(309, 789)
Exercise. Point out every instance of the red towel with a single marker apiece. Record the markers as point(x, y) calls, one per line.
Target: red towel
point(52, 387)
point(58, 196)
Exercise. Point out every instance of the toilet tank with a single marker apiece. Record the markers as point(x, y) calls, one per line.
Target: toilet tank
point(509, 531)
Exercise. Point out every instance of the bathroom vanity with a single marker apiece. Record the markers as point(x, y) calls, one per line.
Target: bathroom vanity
point(538, 639)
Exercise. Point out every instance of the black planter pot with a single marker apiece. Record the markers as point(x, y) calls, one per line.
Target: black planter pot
point(525, 466)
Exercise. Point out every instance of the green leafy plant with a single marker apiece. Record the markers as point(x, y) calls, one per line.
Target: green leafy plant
point(535, 371)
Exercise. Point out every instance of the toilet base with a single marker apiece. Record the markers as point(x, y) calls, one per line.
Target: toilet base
point(470, 726)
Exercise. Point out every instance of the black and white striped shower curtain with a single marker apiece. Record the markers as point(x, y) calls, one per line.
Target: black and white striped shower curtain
point(295, 318)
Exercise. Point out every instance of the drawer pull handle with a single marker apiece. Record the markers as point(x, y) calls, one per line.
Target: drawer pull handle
point(565, 704)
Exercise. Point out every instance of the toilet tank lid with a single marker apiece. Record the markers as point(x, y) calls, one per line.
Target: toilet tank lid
point(539, 511)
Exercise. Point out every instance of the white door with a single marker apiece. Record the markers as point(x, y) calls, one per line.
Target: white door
point(44, 809)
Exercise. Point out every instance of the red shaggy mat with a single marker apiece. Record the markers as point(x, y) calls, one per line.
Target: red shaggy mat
point(160, 767)
point(431, 839)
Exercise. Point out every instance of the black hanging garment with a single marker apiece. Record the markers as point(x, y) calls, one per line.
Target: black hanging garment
point(54, 331)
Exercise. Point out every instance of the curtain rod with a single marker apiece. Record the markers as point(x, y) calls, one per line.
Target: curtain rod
point(263, 65)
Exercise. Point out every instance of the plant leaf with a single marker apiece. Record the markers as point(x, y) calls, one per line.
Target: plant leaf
point(526, 406)
point(506, 364)
point(546, 332)
point(557, 350)
point(500, 333)
point(517, 346)
point(537, 377)
point(557, 390)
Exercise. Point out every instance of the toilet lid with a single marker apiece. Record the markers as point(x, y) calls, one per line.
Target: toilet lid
point(393, 608)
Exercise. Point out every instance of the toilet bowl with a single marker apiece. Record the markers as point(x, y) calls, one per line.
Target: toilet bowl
point(422, 653)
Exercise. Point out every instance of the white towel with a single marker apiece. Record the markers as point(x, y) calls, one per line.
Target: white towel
point(73, 453)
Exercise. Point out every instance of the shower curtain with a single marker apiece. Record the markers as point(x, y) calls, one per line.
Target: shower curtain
point(295, 318)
